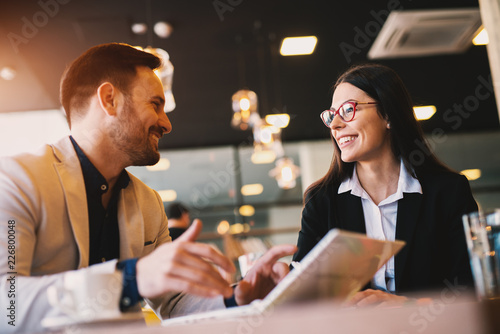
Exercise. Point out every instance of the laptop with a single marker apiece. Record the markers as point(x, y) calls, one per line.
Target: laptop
point(337, 267)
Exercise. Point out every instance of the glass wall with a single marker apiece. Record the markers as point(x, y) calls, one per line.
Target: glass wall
point(210, 180)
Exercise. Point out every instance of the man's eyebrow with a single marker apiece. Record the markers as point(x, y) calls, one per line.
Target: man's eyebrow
point(159, 98)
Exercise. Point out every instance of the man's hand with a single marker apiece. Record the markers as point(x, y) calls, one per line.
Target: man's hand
point(184, 265)
point(264, 275)
point(377, 298)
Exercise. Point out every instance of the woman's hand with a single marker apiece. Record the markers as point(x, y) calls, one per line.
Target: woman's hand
point(264, 275)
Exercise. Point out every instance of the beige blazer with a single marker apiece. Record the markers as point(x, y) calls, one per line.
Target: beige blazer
point(44, 193)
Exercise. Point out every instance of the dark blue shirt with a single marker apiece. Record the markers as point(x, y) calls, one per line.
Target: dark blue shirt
point(104, 233)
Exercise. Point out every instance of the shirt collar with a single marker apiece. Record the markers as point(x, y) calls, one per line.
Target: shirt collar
point(406, 184)
point(352, 184)
point(95, 182)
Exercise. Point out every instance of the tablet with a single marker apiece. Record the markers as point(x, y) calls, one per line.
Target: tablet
point(336, 268)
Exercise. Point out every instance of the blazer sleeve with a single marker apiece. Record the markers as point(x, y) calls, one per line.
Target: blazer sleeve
point(20, 214)
point(437, 255)
point(314, 222)
point(460, 269)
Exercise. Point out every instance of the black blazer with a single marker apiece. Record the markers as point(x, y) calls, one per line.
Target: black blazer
point(435, 255)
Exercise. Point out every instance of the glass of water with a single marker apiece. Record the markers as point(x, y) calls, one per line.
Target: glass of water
point(482, 231)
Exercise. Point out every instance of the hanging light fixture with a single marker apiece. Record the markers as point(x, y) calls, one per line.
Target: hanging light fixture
point(262, 154)
point(166, 71)
point(266, 133)
point(245, 109)
point(285, 173)
point(267, 143)
point(278, 120)
point(166, 74)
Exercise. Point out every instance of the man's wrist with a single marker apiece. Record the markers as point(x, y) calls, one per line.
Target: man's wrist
point(231, 301)
point(130, 293)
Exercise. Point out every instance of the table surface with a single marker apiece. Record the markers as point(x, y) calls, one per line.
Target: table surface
point(448, 313)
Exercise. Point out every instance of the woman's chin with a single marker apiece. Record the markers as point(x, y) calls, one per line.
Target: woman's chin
point(347, 159)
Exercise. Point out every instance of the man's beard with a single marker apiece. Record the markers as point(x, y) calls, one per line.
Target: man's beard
point(130, 138)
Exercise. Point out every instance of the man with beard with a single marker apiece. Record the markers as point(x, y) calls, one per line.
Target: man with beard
point(74, 208)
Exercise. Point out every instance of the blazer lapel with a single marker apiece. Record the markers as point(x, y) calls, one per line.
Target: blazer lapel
point(71, 177)
point(131, 223)
point(350, 213)
point(408, 213)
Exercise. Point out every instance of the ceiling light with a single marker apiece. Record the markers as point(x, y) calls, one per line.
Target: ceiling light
point(265, 156)
point(223, 227)
point(244, 104)
point(295, 46)
point(423, 113)
point(139, 28)
point(166, 74)
point(162, 164)
point(471, 174)
point(168, 195)
point(247, 210)
point(278, 120)
point(245, 109)
point(481, 38)
point(266, 134)
point(267, 143)
point(252, 189)
point(285, 173)
point(163, 29)
point(236, 228)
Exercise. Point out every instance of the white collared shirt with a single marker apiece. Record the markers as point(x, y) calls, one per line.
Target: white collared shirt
point(380, 220)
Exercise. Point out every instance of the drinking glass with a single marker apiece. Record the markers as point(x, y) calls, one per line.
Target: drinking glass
point(482, 232)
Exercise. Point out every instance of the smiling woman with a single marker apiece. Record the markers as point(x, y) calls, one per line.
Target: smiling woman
point(360, 137)
point(385, 181)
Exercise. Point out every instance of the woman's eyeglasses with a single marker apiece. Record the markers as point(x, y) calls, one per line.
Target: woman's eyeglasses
point(346, 112)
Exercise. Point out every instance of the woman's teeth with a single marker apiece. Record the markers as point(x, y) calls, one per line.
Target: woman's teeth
point(346, 139)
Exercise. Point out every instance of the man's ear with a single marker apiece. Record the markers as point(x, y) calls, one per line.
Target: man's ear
point(107, 94)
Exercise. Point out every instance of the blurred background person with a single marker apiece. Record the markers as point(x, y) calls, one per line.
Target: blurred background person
point(178, 219)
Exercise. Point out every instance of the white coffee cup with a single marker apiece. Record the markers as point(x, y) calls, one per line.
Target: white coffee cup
point(88, 295)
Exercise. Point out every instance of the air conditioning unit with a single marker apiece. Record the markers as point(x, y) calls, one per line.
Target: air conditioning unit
point(414, 33)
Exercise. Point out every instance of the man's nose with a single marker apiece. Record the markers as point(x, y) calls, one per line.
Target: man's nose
point(164, 123)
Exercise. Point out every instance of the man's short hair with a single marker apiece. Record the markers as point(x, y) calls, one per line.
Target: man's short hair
point(114, 62)
point(175, 210)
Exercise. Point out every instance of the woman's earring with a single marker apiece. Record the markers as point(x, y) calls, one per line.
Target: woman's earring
point(388, 125)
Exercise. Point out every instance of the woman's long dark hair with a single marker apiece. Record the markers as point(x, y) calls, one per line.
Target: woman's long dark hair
point(395, 105)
